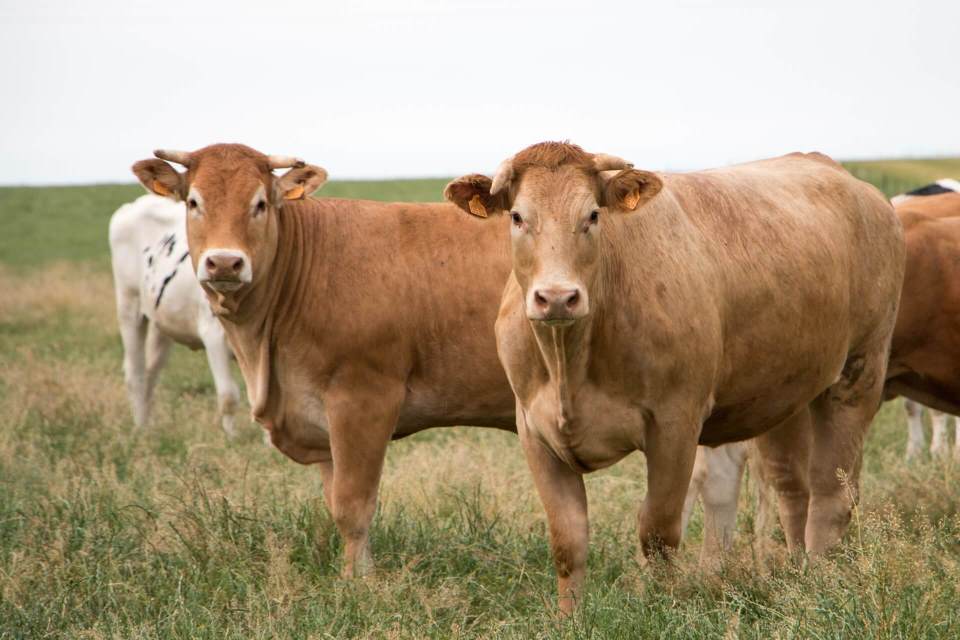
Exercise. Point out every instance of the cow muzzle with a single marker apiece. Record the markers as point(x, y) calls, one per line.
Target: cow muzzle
point(224, 270)
point(557, 305)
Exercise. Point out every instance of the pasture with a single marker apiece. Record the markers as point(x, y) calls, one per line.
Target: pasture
point(176, 533)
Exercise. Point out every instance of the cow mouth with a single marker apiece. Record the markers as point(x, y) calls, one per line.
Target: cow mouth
point(224, 286)
point(555, 322)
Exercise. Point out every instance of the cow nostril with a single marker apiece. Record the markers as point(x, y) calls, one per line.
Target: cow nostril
point(211, 264)
point(573, 299)
point(238, 264)
point(540, 299)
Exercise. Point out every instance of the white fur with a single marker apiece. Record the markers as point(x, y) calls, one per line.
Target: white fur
point(148, 244)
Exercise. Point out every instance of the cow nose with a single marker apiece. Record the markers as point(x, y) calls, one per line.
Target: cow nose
point(557, 303)
point(224, 265)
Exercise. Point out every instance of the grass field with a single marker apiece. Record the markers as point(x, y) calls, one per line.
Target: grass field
point(177, 533)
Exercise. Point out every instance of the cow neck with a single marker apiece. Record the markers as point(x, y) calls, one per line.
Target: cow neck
point(564, 349)
point(270, 306)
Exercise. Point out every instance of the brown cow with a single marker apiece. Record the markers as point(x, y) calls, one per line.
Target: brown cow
point(731, 301)
point(924, 357)
point(353, 322)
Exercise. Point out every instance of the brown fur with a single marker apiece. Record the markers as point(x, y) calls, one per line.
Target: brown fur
point(732, 301)
point(364, 321)
point(925, 355)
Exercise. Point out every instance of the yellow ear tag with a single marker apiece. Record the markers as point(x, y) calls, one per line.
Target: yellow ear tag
point(476, 207)
point(294, 194)
point(159, 188)
point(632, 199)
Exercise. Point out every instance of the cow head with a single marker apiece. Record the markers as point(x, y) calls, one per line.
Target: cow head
point(557, 196)
point(232, 199)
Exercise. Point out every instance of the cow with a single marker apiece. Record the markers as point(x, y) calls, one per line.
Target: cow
point(353, 322)
point(159, 302)
point(650, 311)
point(916, 441)
point(923, 359)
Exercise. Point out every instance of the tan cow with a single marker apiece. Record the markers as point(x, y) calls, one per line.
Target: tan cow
point(652, 312)
point(353, 322)
point(924, 358)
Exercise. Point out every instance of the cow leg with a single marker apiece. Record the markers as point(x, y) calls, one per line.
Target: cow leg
point(766, 514)
point(721, 491)
point(956, 439)
point(784, 453)
point(157, 350)
point(564, 499)
point(218, 357)
point(938, 441)
point(670, 456)
point(698, 477)
point(916, 441)
point(841, 416)
point(362, 417)
point(133, 333)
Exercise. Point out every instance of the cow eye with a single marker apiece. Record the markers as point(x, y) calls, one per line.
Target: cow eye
point(192, 203)
point(594, 216)
point(517, 220)
point(261, 207)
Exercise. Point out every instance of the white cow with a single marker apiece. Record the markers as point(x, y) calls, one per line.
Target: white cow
point(159, 301)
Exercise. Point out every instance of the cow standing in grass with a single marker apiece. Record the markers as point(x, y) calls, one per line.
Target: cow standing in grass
point(353, 322)
point(924, 358)
point(160, 302)
point(652, 312)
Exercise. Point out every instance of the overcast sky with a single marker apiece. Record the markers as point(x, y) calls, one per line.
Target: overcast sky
point(431, 88)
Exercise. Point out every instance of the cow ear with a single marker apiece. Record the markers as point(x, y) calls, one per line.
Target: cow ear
point(629, 189)
point(472, 194)
point(298, 183)
point(159, 178)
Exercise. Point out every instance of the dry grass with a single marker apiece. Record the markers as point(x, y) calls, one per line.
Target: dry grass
point(106, 532)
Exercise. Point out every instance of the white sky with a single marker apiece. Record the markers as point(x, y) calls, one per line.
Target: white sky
point(370, 89)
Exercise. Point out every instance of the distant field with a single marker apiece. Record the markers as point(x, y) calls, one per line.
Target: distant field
point(43, 224)
point(176, 533)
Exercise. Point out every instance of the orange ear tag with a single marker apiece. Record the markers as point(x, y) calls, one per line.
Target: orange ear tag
point(632, 199)
point(160, 189)
point(476, 207)
point(294, 194)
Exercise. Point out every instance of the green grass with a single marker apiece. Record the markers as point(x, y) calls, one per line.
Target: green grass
point(176, 533)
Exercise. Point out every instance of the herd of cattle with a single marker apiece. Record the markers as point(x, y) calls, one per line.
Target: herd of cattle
point(594, 308)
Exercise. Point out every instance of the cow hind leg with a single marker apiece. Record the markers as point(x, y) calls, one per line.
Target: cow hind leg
point(784, 453)
point(916, 441)
point(841, 416)
point(699, 476)
point(720, 492)
point(938, 439)
point(133, 333)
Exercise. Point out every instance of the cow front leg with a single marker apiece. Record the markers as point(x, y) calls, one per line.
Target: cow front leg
point(218, 357)
point(362, 418)
point(564, 499)
point(133, 333)
point(670, 453)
